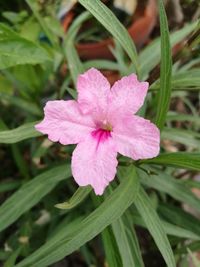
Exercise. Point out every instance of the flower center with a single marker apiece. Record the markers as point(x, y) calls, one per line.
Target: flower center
point(106, 126)
point(103, 132)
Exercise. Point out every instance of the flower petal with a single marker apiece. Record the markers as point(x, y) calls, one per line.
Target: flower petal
point(128, 94)
point(93, 90)
point(136, 137)
point(94, 163)
point(64, 122)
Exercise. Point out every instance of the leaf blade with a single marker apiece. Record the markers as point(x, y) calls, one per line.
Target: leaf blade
point(15, 50)
point(110, 210)
point(112, 24)
point(164, 93)
point(30, 193)
point(18, 134)
point(152, 221)
point(183, 160)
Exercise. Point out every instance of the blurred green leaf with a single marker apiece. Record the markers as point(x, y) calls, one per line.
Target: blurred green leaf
point(15, 50)
point(174, 116)
point(170, 228)
point(30, 194)
point(186, 137)
point(106, 17)
point(51, 36)
point(183, 160)
point(13, 257)
point(155, 227)
point(18, 134)
point(111, 249)
point(179, 217)
point(109, 211)
point(184, 80)
point(80, 194)
point(126, 238)
point(71, 55)
point(195, 261)
point(175, 188)
point(20, 103)
point(150, 56)
point(164, 93)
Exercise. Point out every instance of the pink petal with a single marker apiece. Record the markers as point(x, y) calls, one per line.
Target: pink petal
point(93, 90)
point(94, 163)
point(64, 122)
point(136, 137)
point(128, 94)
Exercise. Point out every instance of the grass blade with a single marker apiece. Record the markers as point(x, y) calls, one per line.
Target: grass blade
point(111, 248)
point(80, 194)
point(175, 188)
point(164, 93)
point(183, 160)
point(105, 16)
point(109, 211)
point(150, 56)
point(127, 241)
point(154, 225)
point(30, 194)
point(18, 134)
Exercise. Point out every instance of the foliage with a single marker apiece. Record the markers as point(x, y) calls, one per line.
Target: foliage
point(44, 216)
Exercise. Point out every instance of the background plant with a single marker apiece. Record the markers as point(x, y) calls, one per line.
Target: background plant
point(150, 196)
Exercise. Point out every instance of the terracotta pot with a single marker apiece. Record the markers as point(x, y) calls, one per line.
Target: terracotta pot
point(139, 31)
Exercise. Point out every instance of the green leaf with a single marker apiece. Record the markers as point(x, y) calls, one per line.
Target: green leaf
point(126, 238)
point(18, 134)
point(186, 137)
point(106, 17)
point(174, 116)
point(15, 50)
point(111, 249)
point(21, 103)
point(183, 80)
point(170, 228)
point(164, 93)
point(195, 261)
point(154, 225)
point(71, 55)
point(33, 6)
point(13, 257)
point(183, 160)
point(175, 188)
point(109, 211)
point(179, 217)
point(102, 64)
point(150, 56)
point(30, 194)
point(73, 60)
point(80, 194)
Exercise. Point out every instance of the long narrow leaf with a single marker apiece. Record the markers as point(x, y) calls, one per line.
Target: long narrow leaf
point(15, 50)
point(183, 160)
point(30, 194)
point(80, 194)
point(71, 55)
point(154, 225)
point(150, 56)
point(170, 228)
point(109, 211)
point(18, 134)
point(175, 188)
point(111, 249)
point(127, 241)
point(164, 93)
point(112, 24)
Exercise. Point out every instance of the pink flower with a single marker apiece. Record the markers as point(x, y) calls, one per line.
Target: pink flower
point(102, 123)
